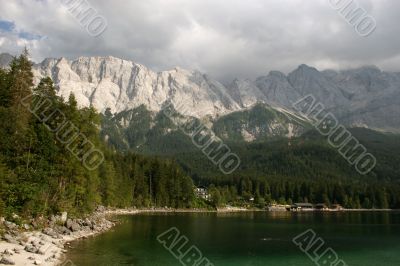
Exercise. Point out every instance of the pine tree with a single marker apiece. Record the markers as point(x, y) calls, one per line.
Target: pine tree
point(45, 89)
point(5, 94)
point(21, 78)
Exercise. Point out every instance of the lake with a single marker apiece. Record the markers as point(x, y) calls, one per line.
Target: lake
point(246, 238)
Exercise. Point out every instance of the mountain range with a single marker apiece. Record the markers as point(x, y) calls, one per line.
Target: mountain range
point(240, 110)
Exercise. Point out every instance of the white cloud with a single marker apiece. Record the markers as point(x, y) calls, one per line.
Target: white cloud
point(226, 39)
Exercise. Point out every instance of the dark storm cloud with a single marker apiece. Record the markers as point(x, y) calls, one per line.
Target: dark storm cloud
point(224, 38)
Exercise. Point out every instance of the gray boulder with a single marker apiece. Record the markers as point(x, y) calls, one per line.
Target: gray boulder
point(10, 225)
point(72, 225)
point(62, 230)
point(7, 252)
point(10, 239)
point(31, 248)
point(64, 216)
point(6, 260)
point(101, 208)
point(50, 232)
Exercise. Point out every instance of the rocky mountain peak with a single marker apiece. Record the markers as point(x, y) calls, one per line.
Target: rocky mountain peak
point(357, 96)
point(277, 74)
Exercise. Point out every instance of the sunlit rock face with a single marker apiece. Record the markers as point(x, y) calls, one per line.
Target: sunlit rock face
point(366, 96)
point(109, 82)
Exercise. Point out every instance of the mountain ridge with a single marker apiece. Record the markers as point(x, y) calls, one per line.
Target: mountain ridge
point(364, 96)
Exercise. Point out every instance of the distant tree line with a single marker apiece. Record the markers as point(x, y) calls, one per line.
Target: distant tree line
point(283, 190)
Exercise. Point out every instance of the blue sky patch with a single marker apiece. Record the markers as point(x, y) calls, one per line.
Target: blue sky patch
point(28, 36)
point(7, 25)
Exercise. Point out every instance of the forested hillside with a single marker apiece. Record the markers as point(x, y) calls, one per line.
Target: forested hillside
point(304, 169)
point(39, 172)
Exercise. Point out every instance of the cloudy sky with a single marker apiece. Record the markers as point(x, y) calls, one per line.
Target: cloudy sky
point(223, 38)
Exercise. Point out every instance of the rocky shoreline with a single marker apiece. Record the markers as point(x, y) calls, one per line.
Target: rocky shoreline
point(27, 244)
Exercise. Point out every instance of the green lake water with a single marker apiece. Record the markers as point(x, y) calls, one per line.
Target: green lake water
point(251, 238)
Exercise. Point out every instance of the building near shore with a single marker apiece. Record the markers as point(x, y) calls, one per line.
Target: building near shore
point(302, 206)
point(321, 207)
point(337, 207)
point(278, 207)
point(202, 192)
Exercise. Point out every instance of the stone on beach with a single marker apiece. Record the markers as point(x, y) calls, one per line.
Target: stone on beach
point(72, 225)
point(10, 225)
point(41, 251)
point(10, 239)
point(50, 232)
point(7, 252)
point(6, 260)
point(64, 216)
point(31, 248)
point(46, 246)
point(16, 251)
